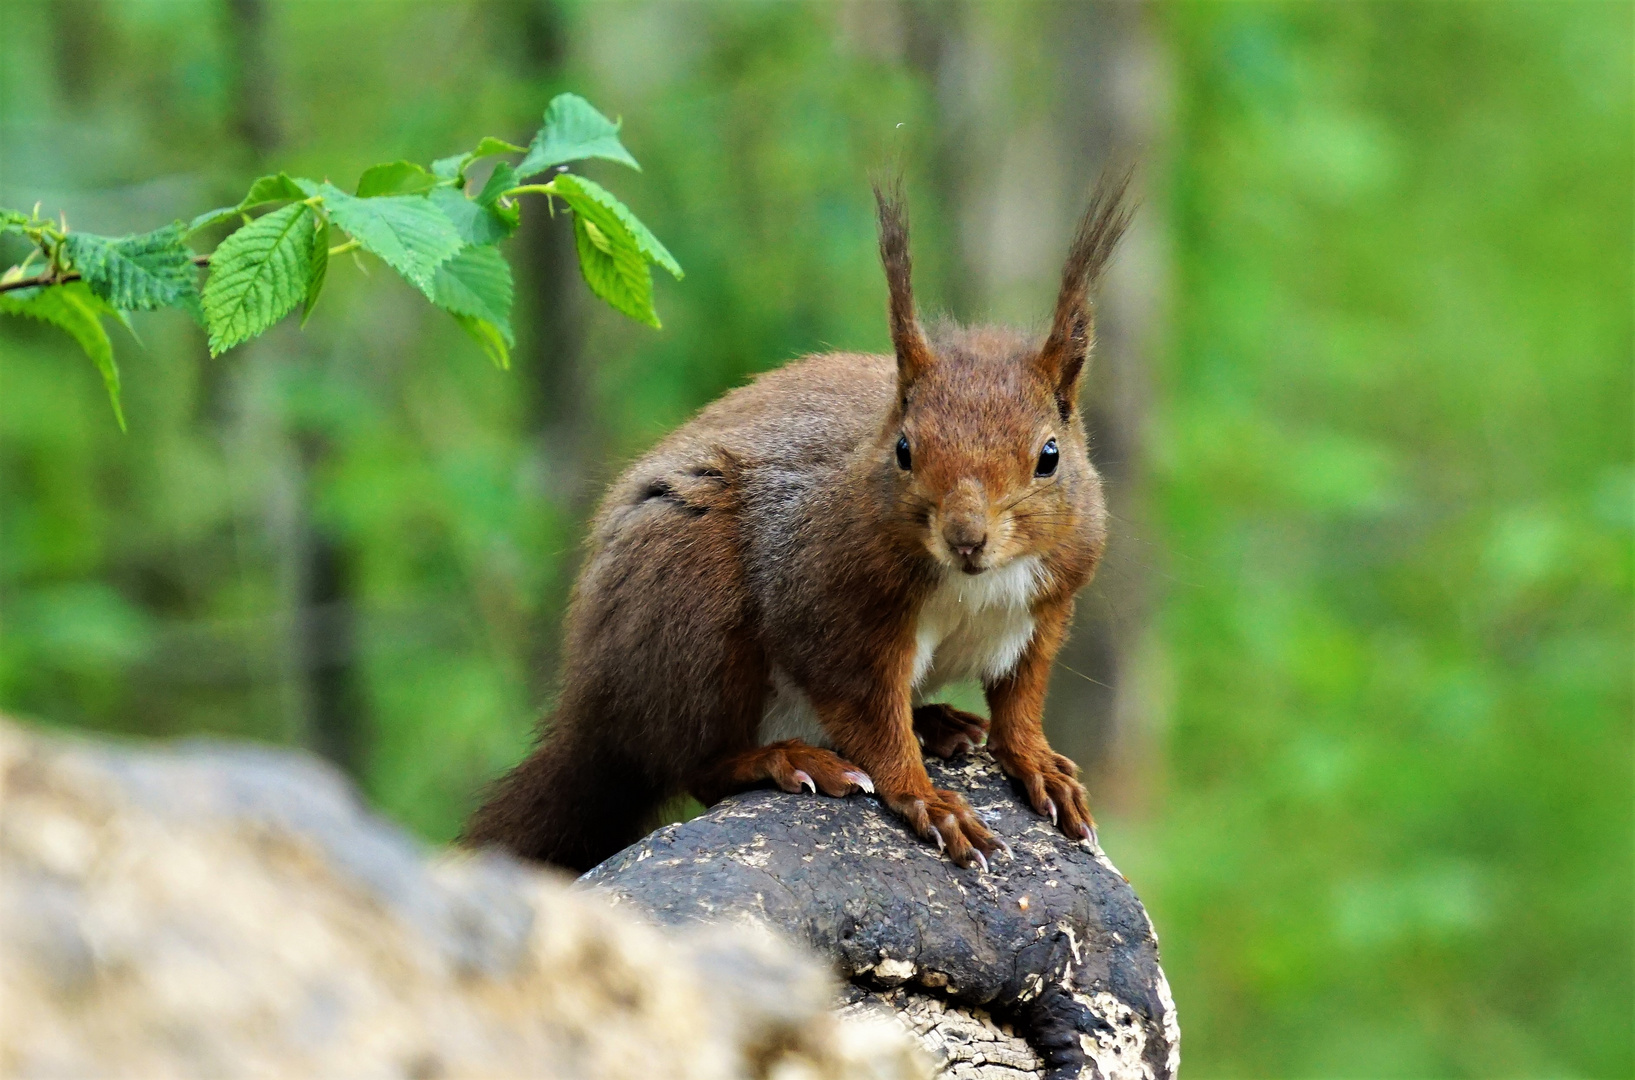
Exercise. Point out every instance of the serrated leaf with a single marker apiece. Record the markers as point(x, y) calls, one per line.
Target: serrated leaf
point(573, 131)
point(482, 220)
point(319, 268)
point(489, 336)
point(258, 275)
point(212, 217)
point(12, 221)
point(474, 224)
point(577, 191)
point(139, 273)
point(455, 165)
point(407, 232)
point(489, 146)
point(493, 341)
point(395, 178)
point(613, 265)
point(477, 282)
point(75, 308)
point(275, 187)
point(501, 180)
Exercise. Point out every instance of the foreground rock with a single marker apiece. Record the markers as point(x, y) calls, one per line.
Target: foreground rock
point(218, 911)
point(1045, 966)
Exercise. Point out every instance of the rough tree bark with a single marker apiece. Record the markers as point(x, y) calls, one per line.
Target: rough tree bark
point(1047, 965)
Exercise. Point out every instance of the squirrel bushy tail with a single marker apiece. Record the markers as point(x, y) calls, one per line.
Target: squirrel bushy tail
point(568, 803)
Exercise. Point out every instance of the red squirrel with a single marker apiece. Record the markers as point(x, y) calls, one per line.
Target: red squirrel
point(766, 592)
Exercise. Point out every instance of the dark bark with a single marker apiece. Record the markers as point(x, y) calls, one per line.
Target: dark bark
point(1052, 939)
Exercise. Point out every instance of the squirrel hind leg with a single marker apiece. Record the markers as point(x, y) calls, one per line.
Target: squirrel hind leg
point(948, 732)
point(791, 765)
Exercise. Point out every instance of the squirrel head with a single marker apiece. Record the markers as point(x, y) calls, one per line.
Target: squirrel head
point(983, 455)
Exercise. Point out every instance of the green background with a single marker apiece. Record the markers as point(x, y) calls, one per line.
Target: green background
point(1384, 813)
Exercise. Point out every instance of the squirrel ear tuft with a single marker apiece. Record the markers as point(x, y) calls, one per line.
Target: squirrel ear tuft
point(1061, 361)
point(914, 355)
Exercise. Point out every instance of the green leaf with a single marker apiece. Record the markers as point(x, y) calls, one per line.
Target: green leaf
point(319, 263)
point(455, 165)
point(579, 192)
point(139, 273)
point(613, 265)
point(482, 220)
point(409, 234)
point(12, 220)
point(213, 217)
point(258, 275)
point(501, 180)
point(573, 131)
point(477, 282)
point(489, 146)
point(395, 178)
point(494, 342)
point(275, 187)
point(76, 309)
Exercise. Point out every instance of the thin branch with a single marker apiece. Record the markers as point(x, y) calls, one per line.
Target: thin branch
point(63, 279)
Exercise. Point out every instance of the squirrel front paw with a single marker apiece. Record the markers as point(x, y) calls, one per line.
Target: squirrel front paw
point(1052, 786)
point(946, 731)
point(947, 820)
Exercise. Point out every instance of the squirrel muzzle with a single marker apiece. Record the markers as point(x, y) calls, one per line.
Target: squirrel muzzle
point(963, 524)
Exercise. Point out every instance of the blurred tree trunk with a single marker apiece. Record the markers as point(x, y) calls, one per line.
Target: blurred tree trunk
point(1110, 100)
point(323, 697)
point(79, 36)
point(1112, 114)
point(551, 348)
point(936, 45)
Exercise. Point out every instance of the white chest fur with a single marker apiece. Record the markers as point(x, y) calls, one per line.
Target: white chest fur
point(970, 628)
point(976, 627)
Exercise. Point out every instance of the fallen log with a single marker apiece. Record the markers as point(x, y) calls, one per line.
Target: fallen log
point(1046, 965)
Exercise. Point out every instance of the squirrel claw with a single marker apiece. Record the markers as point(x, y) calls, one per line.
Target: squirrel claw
point(861, 779)
point(1050, 808)
point(981, 859)
point(805, 781)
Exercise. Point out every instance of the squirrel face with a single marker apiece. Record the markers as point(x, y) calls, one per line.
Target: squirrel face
point(983, 458)
point(985, 448)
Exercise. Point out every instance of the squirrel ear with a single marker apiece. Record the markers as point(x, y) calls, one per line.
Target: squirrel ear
point(913, 351)
point(1061, 361)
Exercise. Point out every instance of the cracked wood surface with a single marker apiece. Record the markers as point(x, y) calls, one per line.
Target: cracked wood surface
point(1051, 945)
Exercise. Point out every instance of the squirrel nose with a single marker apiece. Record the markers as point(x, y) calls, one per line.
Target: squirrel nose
point(966, 541)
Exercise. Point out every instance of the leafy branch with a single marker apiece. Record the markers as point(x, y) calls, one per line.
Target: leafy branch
point(426, 224)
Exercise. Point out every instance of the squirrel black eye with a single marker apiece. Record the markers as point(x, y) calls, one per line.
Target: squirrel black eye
point(1048, 458)
point(904, 458)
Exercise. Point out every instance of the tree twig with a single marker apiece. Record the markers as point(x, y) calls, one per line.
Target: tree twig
point(49, 278)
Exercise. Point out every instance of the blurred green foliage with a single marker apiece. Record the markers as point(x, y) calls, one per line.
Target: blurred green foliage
point(1390, 824)
point(1394, 471)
